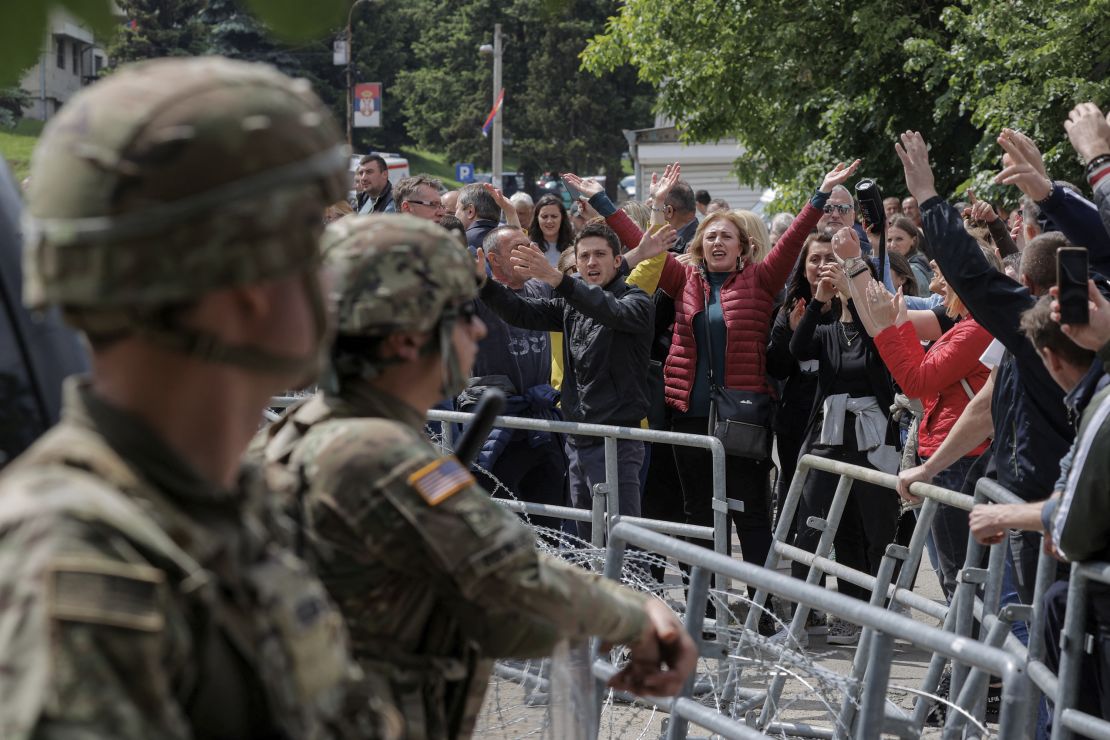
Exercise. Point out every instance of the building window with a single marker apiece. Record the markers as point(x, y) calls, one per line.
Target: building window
point(61, 52)
point(98, 64)
point(76, 59)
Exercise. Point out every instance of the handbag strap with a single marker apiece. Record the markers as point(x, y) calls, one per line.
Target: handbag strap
point(708, 329)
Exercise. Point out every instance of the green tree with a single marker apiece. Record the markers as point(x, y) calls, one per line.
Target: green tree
point(12, 102)
point(158, 28)
point(234, 32)
point(1023, 64)
point(556, 117)
point(799, 85)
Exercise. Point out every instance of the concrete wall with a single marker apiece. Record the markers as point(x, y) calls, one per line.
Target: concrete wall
point(51, 84)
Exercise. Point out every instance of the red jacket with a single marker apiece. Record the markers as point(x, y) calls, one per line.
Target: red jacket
point(934, 376)
point(747, 300)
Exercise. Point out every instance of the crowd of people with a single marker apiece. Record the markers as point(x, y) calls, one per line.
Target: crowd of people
point(334, 576)
point(939, 358)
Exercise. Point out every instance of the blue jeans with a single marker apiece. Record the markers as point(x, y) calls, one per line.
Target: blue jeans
point(950, 529)
point(586, 467)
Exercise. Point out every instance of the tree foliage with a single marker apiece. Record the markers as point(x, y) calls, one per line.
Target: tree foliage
point(158, 28)
point(801, 85)
point(556, 117)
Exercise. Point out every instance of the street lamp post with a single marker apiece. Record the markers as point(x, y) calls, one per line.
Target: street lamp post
point(350, 62)
point(495, 50)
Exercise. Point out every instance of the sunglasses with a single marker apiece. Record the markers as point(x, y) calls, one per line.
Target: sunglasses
point(437, 204)
point(837, 208)
point(465, 312)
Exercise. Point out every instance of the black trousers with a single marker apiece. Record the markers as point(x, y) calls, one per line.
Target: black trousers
point(868, 525)
point(745, 480)
point(1094, 670)
point(533, 474)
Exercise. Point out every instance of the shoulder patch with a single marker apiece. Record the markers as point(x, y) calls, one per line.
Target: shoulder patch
point(106, 592)
point(438, 481)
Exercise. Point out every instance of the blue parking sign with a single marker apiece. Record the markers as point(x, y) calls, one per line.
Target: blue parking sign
point(464, 172)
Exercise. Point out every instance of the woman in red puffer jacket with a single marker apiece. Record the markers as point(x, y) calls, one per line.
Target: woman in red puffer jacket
point(944, 378)
point(725, 301)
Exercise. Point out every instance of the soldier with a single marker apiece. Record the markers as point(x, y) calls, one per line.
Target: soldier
point(434, 578)
point(174, 215)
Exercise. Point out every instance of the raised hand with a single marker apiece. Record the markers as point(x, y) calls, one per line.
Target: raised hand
point(1088, 130)
point(587, 186)
point(838, 176)
point(915, 164)
point(1026, 169)
point(506, 205)
point(480, 265)
point(1096, 332)
point(881, 305)
point(661, 186)
point(980, 209)
point(795, 317)
point(846, 243)
point(826, 284)
point(529, 262)
point(656, 241)
point(1017, 233)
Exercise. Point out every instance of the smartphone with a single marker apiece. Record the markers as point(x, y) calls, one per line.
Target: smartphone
point(1071, 282)
point(575, 194)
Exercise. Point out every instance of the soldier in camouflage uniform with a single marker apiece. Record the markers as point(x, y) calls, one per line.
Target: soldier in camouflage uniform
point(174, 216)
point(434, 578)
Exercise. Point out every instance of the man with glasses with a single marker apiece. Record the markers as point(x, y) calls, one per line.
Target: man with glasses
point(680, 211)
point(419, 196)
point(840, 212)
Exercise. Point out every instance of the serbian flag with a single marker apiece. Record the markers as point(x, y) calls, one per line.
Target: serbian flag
point(493, 113)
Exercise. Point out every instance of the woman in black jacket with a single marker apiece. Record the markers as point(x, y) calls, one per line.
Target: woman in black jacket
point(850, 423)
point(799, 386)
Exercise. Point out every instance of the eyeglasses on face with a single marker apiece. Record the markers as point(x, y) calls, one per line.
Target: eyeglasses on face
point(837, 208)
point(465, 312)
point(437, 204)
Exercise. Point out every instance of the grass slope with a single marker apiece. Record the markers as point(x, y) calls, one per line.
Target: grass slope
point(16, 145)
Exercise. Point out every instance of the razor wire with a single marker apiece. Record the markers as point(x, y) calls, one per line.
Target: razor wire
point(780, 688)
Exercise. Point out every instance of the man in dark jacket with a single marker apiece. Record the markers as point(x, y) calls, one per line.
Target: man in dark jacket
point(680, 211)
point(1030, 421)
point(607, 329)
point(478, 212)
point(374, 191)
point(531, 465)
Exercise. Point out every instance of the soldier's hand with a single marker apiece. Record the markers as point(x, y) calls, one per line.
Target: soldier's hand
point(662, 659)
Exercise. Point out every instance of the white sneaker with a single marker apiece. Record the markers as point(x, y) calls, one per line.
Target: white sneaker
point(783, 637)
point(842, 633)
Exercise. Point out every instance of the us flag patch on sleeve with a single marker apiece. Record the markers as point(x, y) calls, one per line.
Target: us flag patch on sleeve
point(438, 481)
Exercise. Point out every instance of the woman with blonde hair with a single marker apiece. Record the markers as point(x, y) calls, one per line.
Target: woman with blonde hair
point(723, 304)
point(757, 230)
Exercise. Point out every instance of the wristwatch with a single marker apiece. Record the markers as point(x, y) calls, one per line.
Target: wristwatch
point(854, 266)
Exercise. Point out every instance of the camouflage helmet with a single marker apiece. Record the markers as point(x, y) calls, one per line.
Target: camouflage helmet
point(395, 273)
point(175, 177)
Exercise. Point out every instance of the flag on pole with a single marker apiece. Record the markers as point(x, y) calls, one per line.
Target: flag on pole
point(493, 113)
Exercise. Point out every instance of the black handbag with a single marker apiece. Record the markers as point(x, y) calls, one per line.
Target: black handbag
point(740, 419)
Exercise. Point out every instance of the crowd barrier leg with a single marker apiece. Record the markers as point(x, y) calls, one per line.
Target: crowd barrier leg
point(873, 702)
point(696, 599)
point(828, 527)
point(612, 482)
point(598, 500)
point(859, 663)
point(1071, 651)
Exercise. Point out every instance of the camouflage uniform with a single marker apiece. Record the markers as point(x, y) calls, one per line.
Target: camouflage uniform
point(434, 579)
point(138, 599)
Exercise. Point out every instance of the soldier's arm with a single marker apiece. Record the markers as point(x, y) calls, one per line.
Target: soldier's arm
point(424, 515)
point(91, 646)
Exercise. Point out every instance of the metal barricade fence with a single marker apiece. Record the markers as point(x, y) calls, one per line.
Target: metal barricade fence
point(717, 534)
point(974, 606)
point(881, 627)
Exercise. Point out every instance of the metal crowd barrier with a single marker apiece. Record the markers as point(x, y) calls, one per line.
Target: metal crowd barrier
point(881, 627)
point(976, 635)
point(608, 493)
